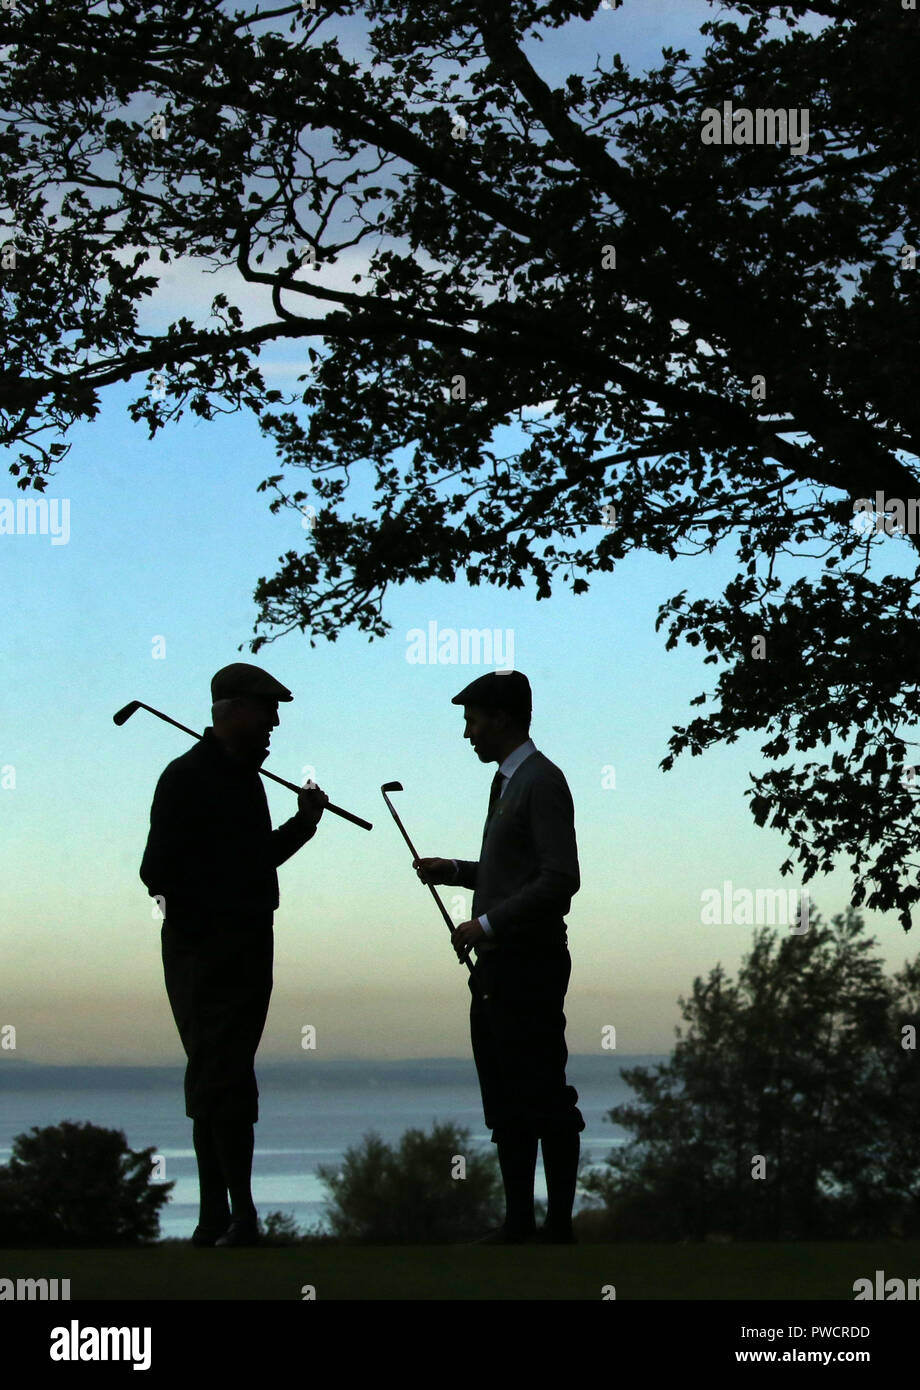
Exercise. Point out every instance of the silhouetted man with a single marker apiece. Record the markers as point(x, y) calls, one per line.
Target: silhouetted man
point(212, 855)
point(523, 884)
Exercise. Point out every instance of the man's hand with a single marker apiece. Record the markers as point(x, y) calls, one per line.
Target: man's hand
point(434, 870)
point(466, 935)
point(311, 802)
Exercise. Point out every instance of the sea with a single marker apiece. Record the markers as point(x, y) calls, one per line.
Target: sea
point(310, 1114)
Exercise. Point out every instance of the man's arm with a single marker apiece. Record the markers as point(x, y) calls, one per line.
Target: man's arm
point(171, 866)
point(465, 872)
point(289, 837)
point(294, 833)
point(551, 815)
point(453, 873)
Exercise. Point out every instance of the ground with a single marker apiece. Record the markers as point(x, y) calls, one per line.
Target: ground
point(173, 1270)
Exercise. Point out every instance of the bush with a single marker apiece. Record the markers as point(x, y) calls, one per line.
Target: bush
point(412, 1194)
point(75, 1184)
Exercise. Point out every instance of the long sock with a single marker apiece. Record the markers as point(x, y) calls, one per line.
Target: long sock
point(560, 1164)
point(234, 1140)
point(517, 1157)
point(213, 1207)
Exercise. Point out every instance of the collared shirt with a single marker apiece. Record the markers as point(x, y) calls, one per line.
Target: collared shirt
point(508, 768)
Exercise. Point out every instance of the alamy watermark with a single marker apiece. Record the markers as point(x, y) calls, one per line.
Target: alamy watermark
point(762, 126)
point(471, 646)
point(891, 1290)
point(31, 516)
point(891, 514)
point(34, 1290)
point(760, 907)
point(86, 1343)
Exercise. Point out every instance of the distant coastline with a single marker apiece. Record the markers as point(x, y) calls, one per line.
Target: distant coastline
point(22, 1074)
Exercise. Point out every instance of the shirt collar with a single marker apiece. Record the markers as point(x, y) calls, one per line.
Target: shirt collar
point(514, 760)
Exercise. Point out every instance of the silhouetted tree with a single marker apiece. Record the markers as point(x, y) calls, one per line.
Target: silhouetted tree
point(704, 344)
point(76, 1184)
point(807, 1063)
point(414, 1193)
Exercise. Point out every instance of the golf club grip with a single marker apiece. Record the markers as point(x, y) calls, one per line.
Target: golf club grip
point(336, 810)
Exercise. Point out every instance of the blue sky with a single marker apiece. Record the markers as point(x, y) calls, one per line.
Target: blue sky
point(167, 539)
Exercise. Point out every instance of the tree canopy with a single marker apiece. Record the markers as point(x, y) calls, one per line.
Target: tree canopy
point(706, 346)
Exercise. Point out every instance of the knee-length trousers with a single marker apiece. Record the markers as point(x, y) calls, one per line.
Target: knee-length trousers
point(518, 1037)
point(219, 985)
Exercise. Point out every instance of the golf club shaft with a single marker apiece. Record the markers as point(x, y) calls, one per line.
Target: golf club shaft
point(282, 781)
point(465, 958)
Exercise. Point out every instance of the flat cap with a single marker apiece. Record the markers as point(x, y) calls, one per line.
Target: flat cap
point(498, 690)
point(242, 679)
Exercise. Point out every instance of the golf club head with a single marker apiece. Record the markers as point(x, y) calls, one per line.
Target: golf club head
point(392, 787)
point(126, 713)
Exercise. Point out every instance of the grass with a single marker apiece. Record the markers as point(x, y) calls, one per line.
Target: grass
point(176, 1271)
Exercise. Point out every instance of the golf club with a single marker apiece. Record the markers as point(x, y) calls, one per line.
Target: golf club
point(126, 713)
point(398, 787)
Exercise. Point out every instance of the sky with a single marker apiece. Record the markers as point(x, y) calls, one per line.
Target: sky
point(152, 593)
